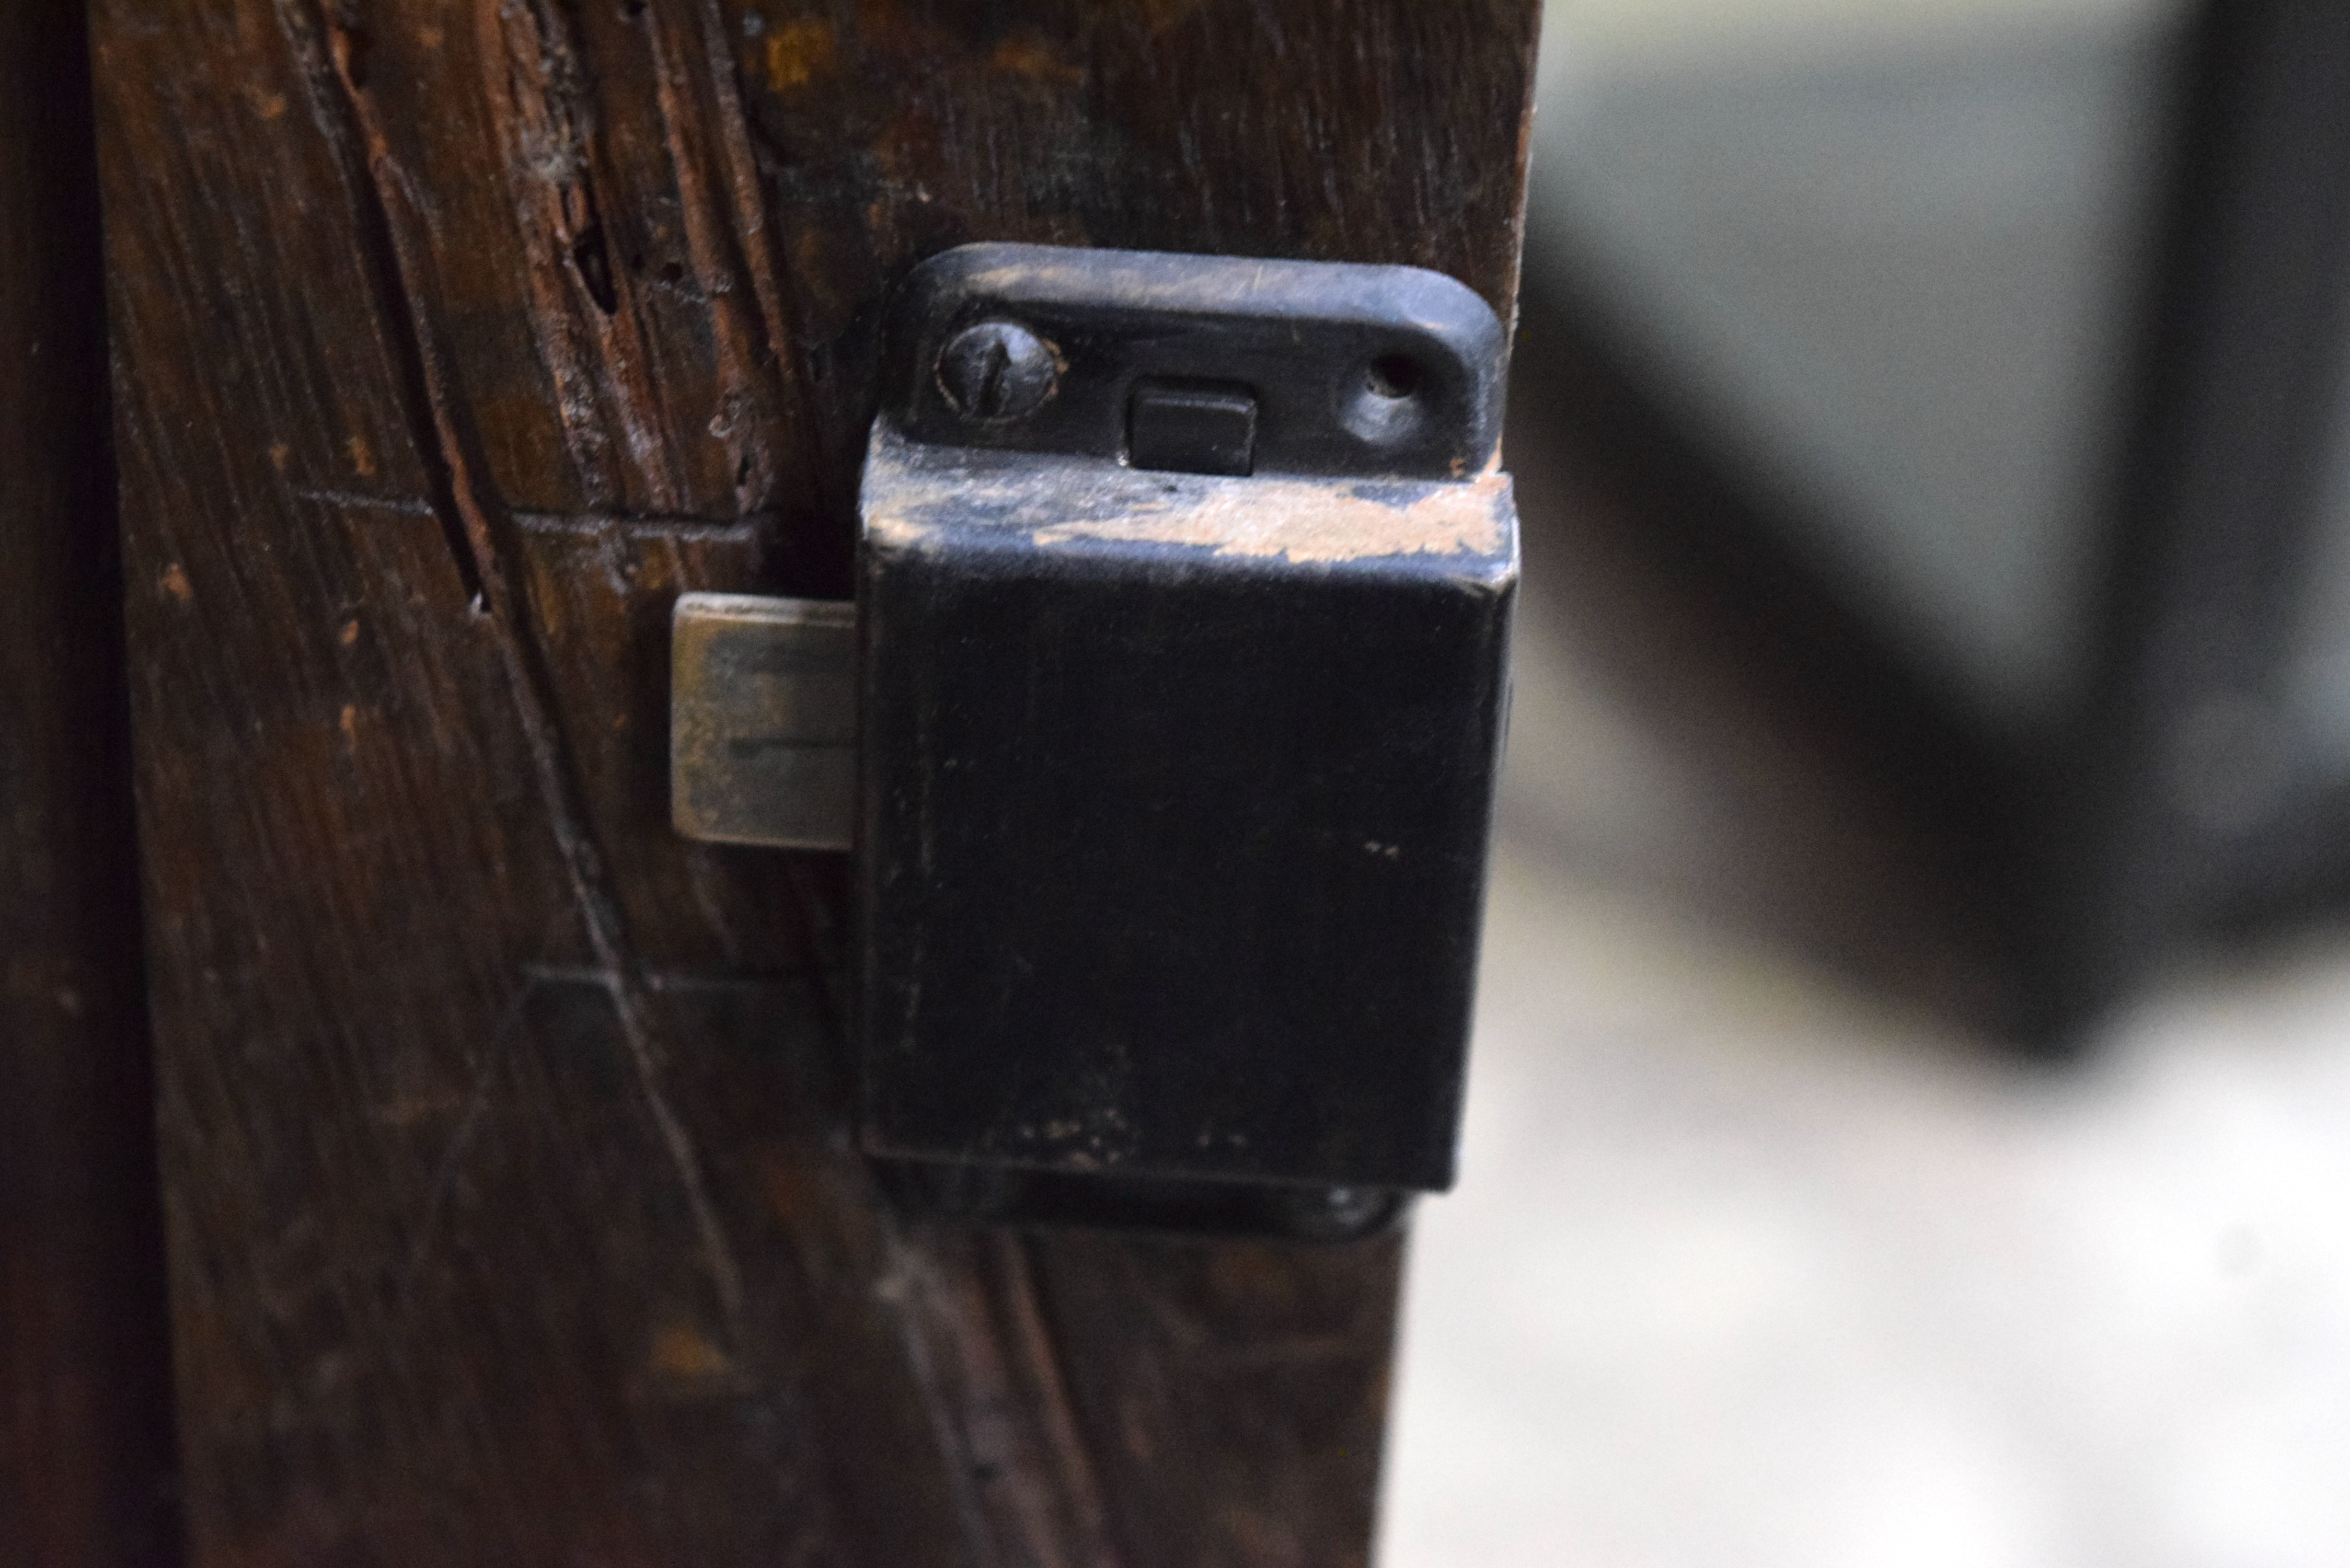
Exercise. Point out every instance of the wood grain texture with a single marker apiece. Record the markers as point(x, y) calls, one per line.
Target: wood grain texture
point(511, 1209)
point(85, 1418)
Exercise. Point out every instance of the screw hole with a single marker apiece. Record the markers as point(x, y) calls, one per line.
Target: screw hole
point(1393, 376)
point(594, 264)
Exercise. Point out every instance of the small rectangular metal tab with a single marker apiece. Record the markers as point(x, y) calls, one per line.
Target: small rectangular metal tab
point(762, 721)
point(1191, 429)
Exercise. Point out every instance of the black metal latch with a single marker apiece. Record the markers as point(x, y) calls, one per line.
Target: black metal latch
point(1164, 730)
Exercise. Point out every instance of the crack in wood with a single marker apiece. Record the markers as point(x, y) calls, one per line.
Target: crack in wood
point(477, 1103)
point(741, 329)
point(353, 501)
point(371, 218)
point(635, 525)
point(1042, 1349)
point(1024, 1490)
point(482, 540)
point(777, 290)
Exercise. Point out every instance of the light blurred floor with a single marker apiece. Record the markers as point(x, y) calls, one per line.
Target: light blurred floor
point(1747, 1269)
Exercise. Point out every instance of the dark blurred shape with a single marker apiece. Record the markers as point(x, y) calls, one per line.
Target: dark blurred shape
point(2209, 778)
point(2087, 642)
point(85, 1409)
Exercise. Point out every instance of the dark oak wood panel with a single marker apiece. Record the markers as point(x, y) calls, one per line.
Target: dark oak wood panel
point(511, 1212)
point(85, 1417)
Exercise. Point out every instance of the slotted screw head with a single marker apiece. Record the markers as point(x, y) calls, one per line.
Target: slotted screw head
point(996, 370)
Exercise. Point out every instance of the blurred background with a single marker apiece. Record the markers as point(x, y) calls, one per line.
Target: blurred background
point(1910, 1115)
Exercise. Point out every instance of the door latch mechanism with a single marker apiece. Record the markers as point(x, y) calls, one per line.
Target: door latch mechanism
point(1164, 730)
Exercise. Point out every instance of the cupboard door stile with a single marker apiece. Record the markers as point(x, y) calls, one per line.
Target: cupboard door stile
point(511, 1205)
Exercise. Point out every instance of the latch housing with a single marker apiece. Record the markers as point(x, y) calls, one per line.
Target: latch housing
point(1182, 608)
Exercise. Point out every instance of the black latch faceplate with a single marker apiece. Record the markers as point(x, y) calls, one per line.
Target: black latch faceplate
point(1184, 594)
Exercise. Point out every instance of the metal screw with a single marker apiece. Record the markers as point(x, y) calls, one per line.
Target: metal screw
point(996, 370)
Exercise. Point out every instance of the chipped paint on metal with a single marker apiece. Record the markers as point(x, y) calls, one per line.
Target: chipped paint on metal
point(912, 491)
point(1302, 520)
